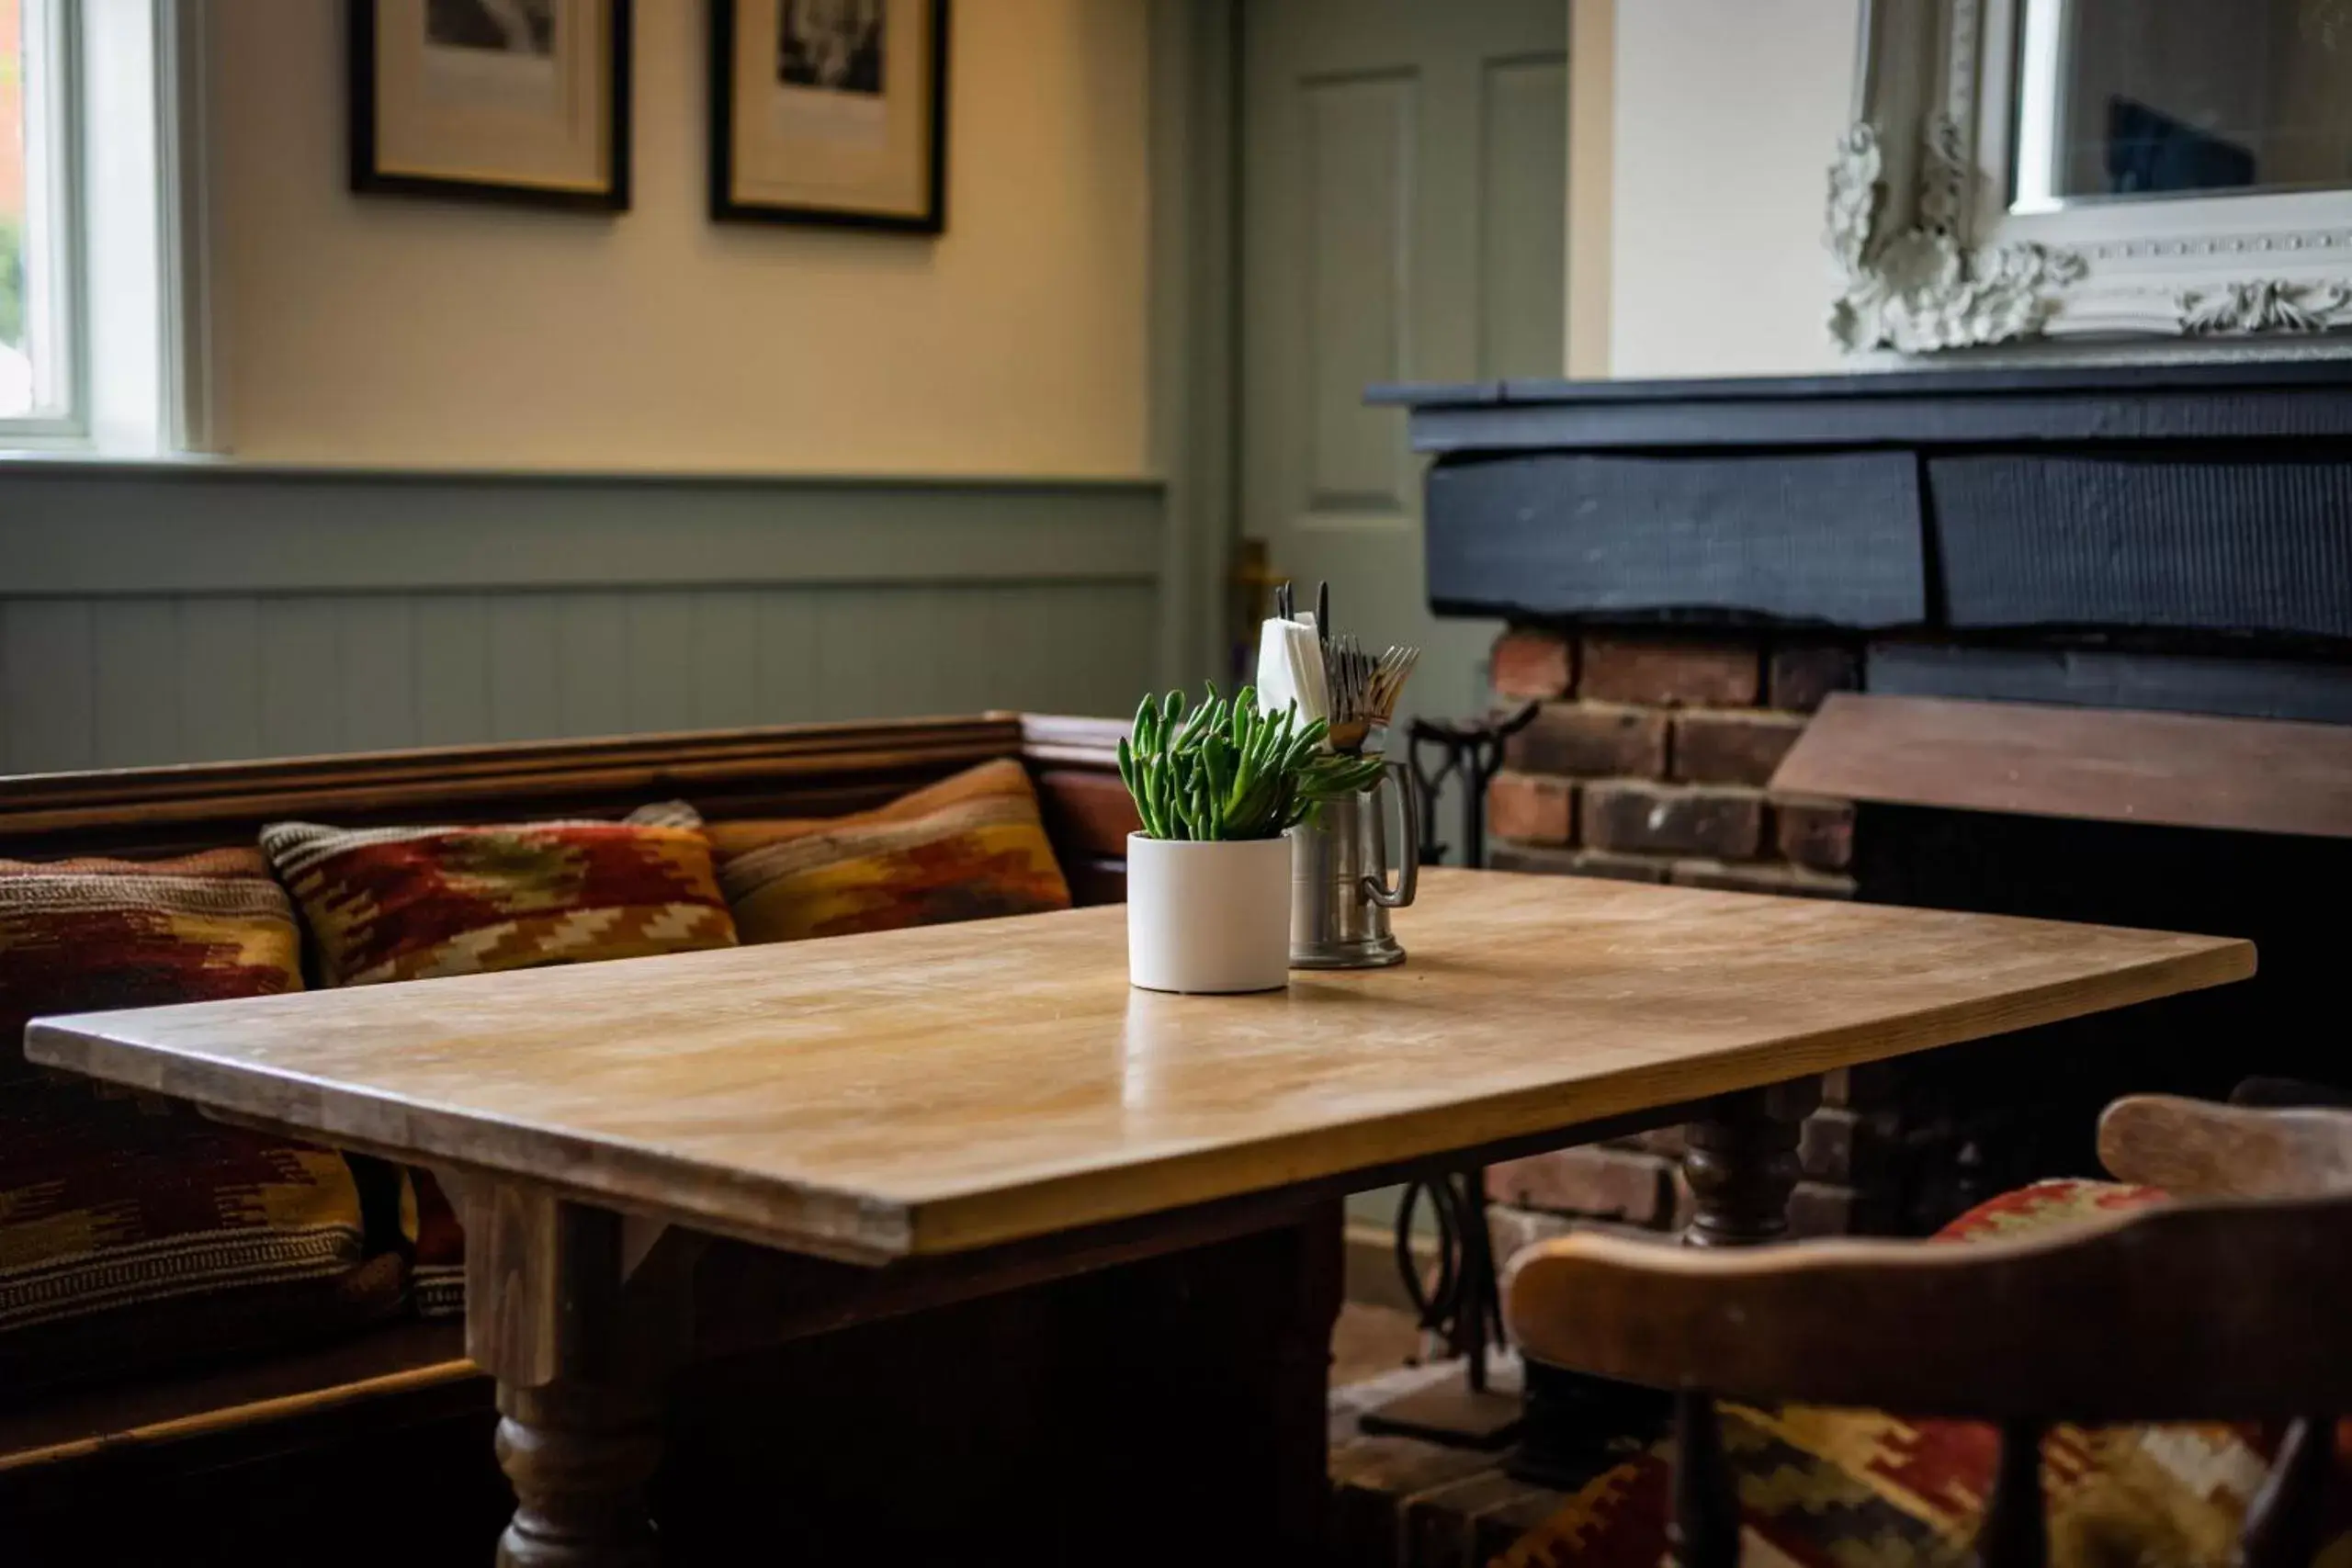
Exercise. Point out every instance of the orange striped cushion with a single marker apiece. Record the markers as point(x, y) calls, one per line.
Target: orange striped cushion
point(964, 849)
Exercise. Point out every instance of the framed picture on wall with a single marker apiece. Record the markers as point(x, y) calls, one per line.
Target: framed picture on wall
point(830, 111)
point(498, 100)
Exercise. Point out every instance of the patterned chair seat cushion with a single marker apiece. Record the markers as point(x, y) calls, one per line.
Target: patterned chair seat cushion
point(387, 904)
point(134, 1234)
point(964, 849)
point(1861, 1488)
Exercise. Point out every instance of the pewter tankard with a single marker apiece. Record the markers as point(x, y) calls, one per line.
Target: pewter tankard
point(1339, 891)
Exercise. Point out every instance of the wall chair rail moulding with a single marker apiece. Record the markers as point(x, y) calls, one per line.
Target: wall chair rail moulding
point(1929, 254)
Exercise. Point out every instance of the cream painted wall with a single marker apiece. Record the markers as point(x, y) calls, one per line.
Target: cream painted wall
point(1727, 114)
point(388, 331)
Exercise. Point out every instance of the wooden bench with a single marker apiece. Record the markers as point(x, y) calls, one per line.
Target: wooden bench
point(315, 1442)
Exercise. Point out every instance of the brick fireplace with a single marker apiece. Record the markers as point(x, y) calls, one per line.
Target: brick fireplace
point(1649, 756)
point(1692, 569)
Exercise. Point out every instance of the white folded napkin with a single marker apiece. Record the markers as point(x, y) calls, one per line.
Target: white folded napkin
point(1290, 669)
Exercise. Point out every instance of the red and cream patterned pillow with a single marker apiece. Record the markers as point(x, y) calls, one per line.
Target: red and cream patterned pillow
point(133, 1231)
point(414, 903)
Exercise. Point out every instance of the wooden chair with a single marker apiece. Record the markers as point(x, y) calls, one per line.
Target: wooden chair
point(2228, 1303)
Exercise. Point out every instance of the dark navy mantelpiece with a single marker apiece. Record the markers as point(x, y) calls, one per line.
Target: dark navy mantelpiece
point(2196, 501)
point(2103, 402)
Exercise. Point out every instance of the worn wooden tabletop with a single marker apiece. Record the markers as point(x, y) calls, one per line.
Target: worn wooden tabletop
point(937, 1089)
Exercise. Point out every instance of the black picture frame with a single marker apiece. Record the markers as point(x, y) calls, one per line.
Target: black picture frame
point(367, 179)
point(724, 208)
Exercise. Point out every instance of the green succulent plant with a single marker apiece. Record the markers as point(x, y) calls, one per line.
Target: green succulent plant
point(1225, 772)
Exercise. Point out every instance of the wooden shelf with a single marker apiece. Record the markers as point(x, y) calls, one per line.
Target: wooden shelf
point(2024, 759)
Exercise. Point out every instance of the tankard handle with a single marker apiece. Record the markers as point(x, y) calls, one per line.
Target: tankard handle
point(1408, 874)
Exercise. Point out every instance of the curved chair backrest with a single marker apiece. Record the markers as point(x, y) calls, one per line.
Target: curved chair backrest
point(2236, 1292)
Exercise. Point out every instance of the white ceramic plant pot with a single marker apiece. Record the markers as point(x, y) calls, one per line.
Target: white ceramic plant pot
point(1208, 916)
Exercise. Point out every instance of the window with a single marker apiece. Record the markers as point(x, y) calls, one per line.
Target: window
point(37, 384)
point(102, 238)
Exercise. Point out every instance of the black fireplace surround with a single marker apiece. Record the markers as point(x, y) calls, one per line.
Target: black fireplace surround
point(2165, 536)
point(2173, 538)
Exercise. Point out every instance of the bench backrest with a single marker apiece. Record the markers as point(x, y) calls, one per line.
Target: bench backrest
point(811, 770)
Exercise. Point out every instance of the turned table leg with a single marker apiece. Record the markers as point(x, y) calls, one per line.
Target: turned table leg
point(1742, 1165)
point(579, 1457)
point(1741, 1162)
point(579, 1316)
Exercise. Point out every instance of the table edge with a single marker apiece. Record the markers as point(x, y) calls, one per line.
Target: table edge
point(805, 1216)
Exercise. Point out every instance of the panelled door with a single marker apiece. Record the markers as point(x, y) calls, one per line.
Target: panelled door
point(1404, 168)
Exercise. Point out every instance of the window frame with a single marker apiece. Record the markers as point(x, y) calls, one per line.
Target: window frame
point(56, 337)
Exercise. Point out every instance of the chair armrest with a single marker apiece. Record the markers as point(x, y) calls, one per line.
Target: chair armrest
point(2194, 1148)
point(2179, 1312)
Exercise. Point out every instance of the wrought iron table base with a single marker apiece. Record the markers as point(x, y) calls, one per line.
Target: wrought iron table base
point(1463, 1305)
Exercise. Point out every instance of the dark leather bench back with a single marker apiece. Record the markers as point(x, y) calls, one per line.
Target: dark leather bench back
point(816, 770)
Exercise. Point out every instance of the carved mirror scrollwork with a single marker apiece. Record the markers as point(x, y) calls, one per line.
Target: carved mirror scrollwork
point(2026, 171)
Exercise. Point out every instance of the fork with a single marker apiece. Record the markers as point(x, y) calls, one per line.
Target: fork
point(1385, 683)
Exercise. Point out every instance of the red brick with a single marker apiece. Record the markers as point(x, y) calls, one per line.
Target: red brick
point(1529, 858)
point(1500, 1528)
point(1591, 740)
point(1727, 824)
point(1371, 1476)
point(1833, 1138)
point(1510, 1230)
point(1443, 1525)
point(1613, 1184)
point(1732, 748)
point(1820, 1208)
point(1802, 675)
point(1867, 1086)
point(1815, 832)
point(1668, 1141)
point(1528, 663)
point(1761, 876)
point(1578, 862)
point(1843, 1145)
point(1670, 672)
point(1533, 808)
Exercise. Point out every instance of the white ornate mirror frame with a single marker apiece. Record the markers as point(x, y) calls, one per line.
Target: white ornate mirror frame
point(1929, 257)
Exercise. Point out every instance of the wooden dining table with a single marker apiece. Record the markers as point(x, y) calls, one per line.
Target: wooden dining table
point(663, 1160)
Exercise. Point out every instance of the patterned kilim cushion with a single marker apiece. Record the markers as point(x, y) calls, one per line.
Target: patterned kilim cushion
point(430, 1222)
point(411, 903)
point(133, 1231)
point(1857, 1488)
point(964, 849)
